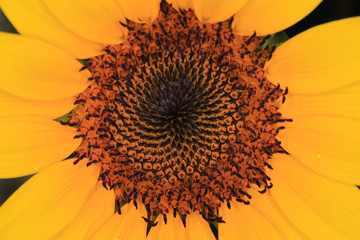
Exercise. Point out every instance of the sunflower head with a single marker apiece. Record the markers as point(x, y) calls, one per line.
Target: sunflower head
point(180, 117)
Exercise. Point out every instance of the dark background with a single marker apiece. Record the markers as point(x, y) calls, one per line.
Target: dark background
point(327, 11)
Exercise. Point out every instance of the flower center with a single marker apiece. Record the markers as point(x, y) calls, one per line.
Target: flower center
point(180, 116)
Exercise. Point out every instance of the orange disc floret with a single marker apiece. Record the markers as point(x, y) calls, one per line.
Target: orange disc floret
point(180, 116)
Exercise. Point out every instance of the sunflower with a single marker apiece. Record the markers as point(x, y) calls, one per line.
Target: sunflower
point(149, 119)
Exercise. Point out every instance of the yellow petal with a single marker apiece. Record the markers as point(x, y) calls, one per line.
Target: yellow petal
point(268, 17)
point(57, 236)
point(320, 208)
point(38, 70)
point(181, 4)
point(12, 105)
point(32, 18)
point(140, 10)
point(197, 228)
point(245, 222)
point(320, 59)
point(92, 19)
point(129, 225)
point(172, 230)
point(265, 205)
point(343, 102)
point(211, 11)
point(29, 144)
point(328, 145)
point(96, 211)
point(46, 203)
